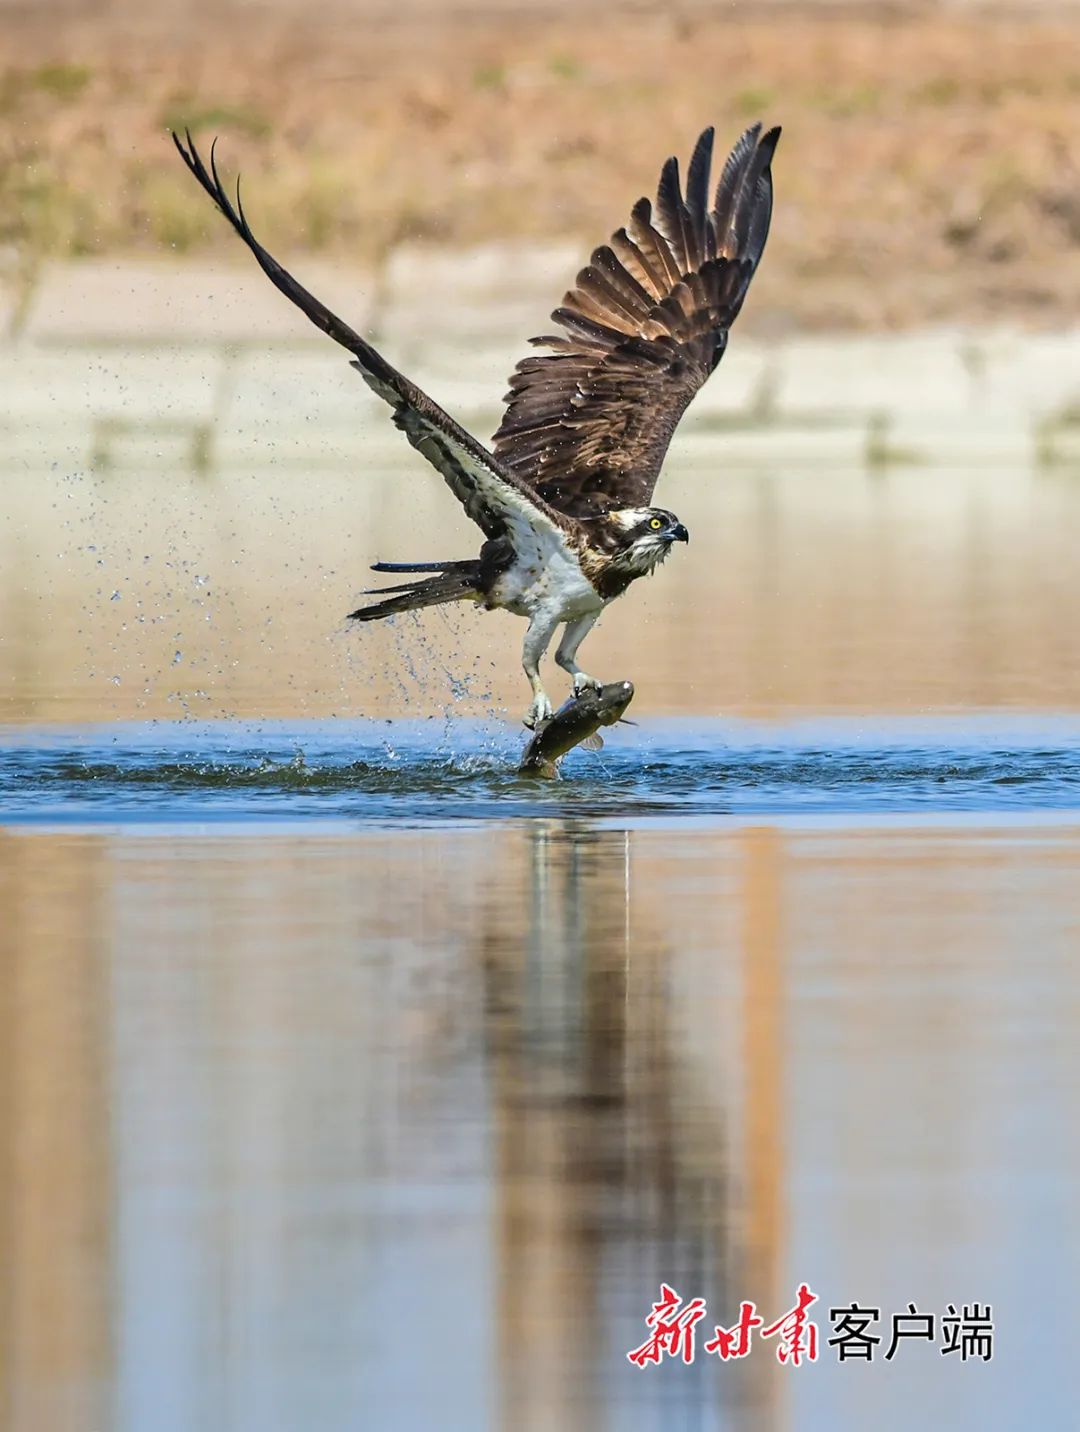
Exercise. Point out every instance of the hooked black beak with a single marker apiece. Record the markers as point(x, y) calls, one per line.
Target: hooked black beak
point(678, 533)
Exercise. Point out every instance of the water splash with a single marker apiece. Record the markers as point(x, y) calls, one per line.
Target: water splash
point(401, 774)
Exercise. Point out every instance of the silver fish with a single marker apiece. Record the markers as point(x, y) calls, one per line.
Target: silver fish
point(576, 723)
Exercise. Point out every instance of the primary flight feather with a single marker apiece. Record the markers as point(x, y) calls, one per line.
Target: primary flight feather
point(563, 495)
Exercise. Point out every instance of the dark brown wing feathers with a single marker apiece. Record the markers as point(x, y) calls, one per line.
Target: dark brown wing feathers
point(588, 425)
point(697, 193)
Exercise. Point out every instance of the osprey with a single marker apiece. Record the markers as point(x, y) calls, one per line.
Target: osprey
point(562, 496)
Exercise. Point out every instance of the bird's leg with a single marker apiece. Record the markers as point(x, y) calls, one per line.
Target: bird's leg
point(541, 629)
point(572, 637)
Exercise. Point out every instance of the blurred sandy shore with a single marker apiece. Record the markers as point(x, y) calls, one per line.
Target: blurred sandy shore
point(143, 363)
point(928, 173)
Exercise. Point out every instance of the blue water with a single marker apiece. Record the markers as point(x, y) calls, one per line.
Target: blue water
point(448, 772)
point(372, 1085)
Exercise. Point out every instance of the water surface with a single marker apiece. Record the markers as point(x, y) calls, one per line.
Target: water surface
point(347, 1126)
point(400, 773)
point(348, 1080)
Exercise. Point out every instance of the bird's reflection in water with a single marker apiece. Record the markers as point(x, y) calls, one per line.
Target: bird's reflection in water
point(558, 1052)
point(406, 1131)
point(614, 1168)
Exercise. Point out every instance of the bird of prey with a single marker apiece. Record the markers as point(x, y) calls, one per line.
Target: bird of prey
point(563, 494)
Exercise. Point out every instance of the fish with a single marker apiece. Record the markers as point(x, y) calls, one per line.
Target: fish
point(576, 723)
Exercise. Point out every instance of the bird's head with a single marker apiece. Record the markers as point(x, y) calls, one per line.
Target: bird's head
point(643, 536)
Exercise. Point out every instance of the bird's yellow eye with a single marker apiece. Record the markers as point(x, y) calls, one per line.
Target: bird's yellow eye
point(655, 524)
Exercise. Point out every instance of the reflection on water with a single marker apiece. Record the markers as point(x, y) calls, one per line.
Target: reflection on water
point(347, 1081)
point(123, 596)
point(404, 1130)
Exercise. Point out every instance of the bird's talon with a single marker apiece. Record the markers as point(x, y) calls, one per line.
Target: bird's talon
point(538, 713)
point(584, 682)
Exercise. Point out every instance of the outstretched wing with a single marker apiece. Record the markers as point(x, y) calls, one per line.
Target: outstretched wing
point(587, 426)
point(496, 499)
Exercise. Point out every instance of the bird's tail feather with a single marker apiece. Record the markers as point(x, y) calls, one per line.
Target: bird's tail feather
point(412, 566)
point(454, 582)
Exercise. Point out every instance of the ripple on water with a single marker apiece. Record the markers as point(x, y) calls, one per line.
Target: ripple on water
point(403, 773)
